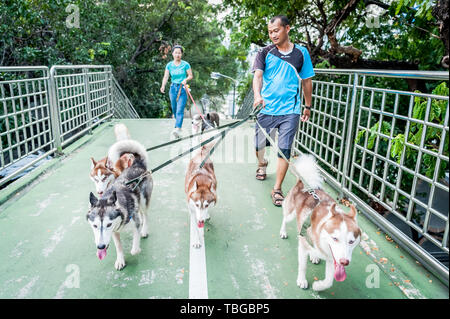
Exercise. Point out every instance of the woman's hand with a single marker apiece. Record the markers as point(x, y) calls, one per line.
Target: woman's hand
point(162, 89)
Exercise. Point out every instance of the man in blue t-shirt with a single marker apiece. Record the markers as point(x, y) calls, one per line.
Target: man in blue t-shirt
point(280, 71)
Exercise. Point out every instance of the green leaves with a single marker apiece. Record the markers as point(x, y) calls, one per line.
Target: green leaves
point(34, 32)
point(397, 147)
point(432, 137)
point(373, 133)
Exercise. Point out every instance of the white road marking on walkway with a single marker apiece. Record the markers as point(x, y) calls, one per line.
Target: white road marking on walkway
point(198, 286)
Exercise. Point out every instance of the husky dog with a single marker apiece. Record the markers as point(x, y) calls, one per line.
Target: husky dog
point(121, 205)
point(211, 120)
point(200, 188)
point(333, 233)
point(105, 171)
point(196, 123)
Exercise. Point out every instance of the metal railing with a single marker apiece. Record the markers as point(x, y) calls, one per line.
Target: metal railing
point(386, 149)
point(42, 111)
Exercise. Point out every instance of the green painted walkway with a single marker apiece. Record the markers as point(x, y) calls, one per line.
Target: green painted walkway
point(47, 248)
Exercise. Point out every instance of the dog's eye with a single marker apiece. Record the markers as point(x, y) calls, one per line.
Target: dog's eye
point(335, 239)
point(109, 225)
point(95, 226)
point(351, 242)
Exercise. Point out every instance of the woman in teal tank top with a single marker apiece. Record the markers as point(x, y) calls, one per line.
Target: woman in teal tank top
point(180, 72)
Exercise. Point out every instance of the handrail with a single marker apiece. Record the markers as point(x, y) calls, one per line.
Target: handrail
point(407, 74)
point(51, 111)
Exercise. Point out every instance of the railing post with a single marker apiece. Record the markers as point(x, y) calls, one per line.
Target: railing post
point(349, 139)
point(87, 99)
point(109, 89)
point(53, 106)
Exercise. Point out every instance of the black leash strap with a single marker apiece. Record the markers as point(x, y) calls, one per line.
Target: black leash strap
point(228, 128)
point(224, 132)
point(187, 137)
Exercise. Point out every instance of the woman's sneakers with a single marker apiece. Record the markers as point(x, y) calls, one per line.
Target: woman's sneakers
point(176, 133)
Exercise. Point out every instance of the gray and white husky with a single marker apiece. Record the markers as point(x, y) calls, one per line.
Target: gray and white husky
point(119, 206)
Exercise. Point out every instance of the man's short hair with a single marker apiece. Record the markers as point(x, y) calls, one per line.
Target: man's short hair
point(284, 21)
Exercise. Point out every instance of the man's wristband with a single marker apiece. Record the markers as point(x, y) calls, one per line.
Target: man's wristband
point(307, 107)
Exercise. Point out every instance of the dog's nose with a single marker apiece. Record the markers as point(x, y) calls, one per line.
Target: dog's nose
point(344, 262)
point(102, 246)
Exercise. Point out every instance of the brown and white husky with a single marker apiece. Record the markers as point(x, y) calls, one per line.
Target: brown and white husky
point(121, 155)
point(200, 188)
point(333, 233)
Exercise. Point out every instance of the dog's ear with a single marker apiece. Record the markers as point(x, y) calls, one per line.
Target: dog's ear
point(194, 187)
point(108, 163)
point(113, 198)
point(212, 189)
point(208, 116)
point(333, 209)
point(352, 213)
point(92, 199)
point(130, 160)
point(110, 166)
point(93, 163)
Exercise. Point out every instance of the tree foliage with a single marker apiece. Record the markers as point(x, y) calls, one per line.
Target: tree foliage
point(134, 36)
point(351, 33)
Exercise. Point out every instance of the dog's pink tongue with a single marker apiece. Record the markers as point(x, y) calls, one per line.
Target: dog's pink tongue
point(101, 253)
point(339, 272)
point(201, 224)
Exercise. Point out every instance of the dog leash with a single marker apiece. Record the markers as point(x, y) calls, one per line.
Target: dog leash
point(221, 134)
point(186, 86)
point(138, 179)
point(186, 137)
point(228, 127)
point(310, 190)
point(179, 93)
point(224, 132)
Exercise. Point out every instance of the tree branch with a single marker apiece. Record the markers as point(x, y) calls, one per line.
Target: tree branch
point(145, 43)
point(330, 31)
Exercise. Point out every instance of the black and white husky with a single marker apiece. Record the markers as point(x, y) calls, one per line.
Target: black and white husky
point(119, 206)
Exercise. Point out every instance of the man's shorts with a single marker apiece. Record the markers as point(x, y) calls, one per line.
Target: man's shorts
point(287, 126)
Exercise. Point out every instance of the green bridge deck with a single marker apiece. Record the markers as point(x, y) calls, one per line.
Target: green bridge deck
point(47, 248)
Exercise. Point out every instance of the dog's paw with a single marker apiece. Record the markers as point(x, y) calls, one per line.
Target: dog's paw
point(119, 264)
point(314, 260)
point(302, 283)
point(144, 234)
point(135, 251)
point(320, 285)
point(283, 235)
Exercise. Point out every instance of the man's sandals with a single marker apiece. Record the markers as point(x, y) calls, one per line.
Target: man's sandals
point(277, 197)
point(261, 171)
